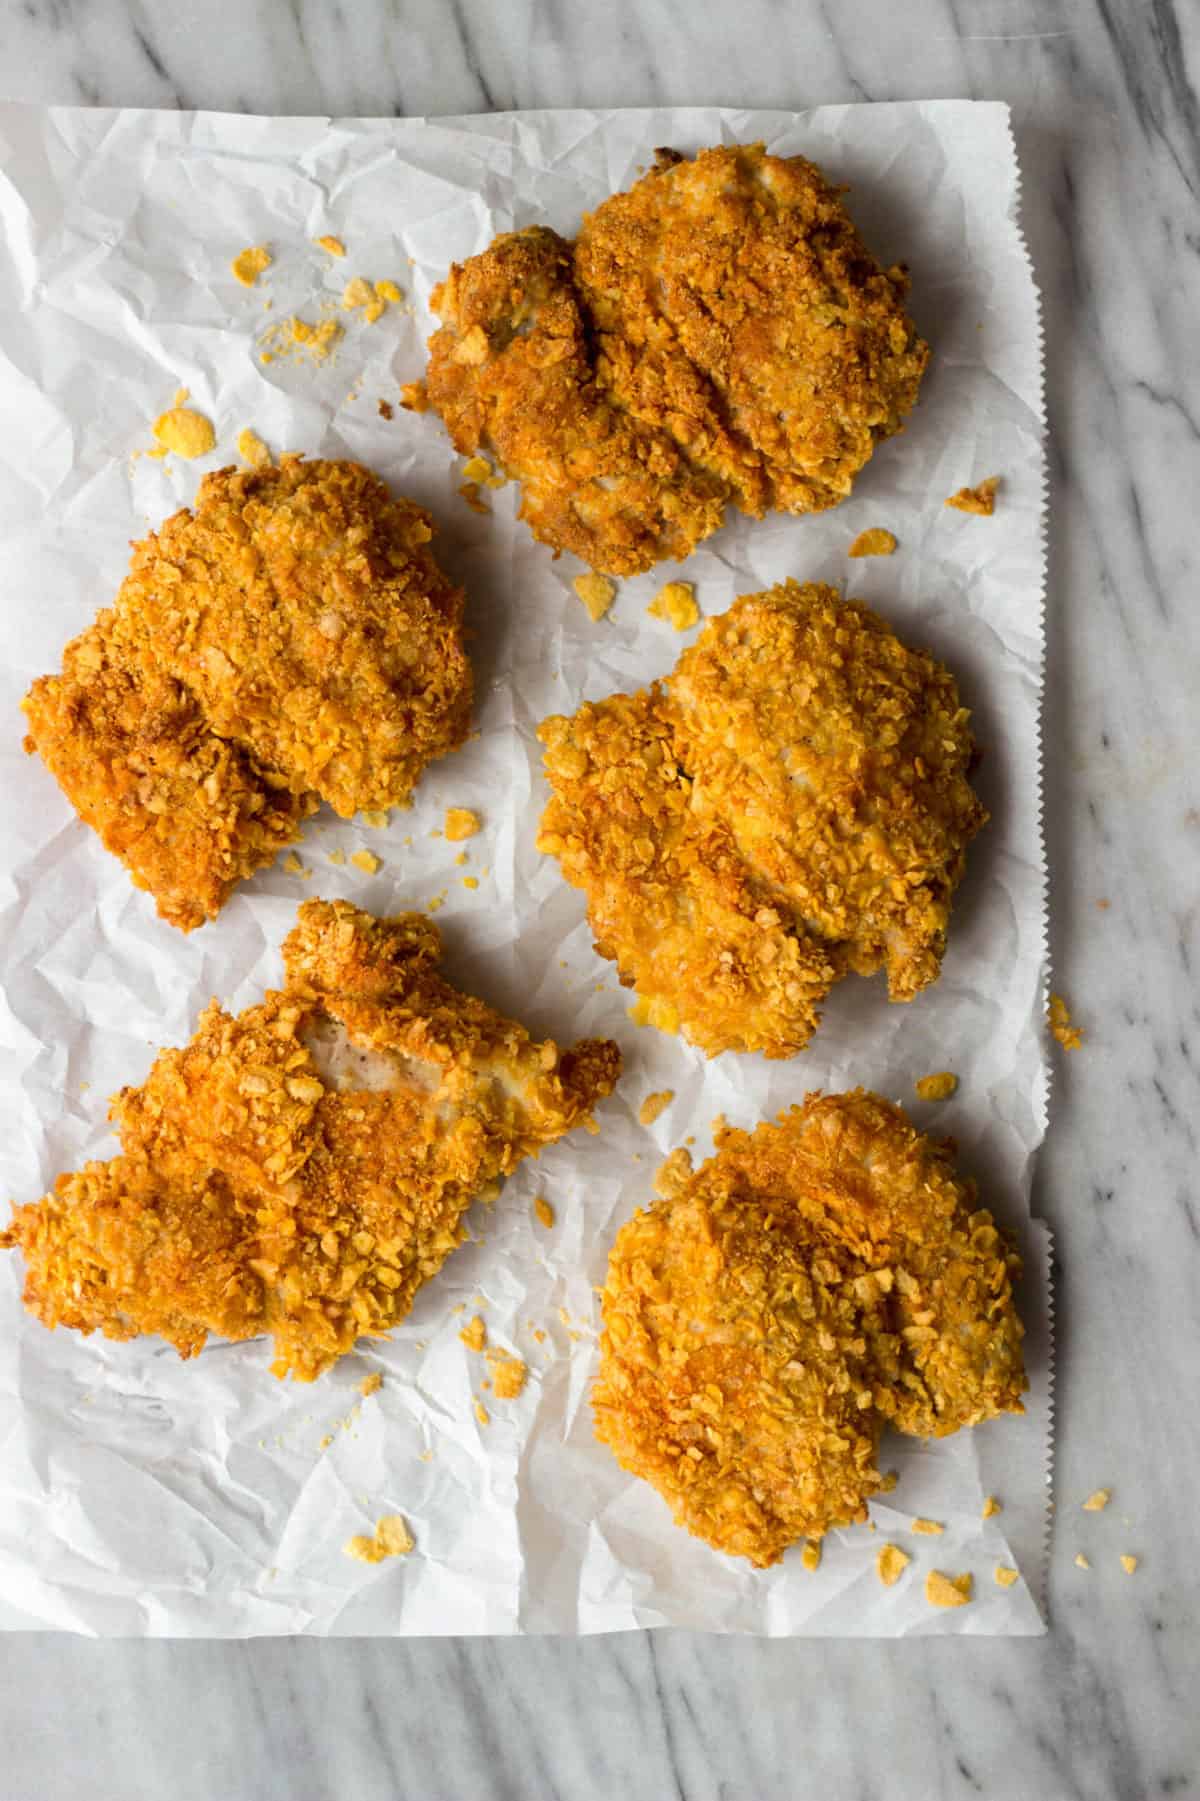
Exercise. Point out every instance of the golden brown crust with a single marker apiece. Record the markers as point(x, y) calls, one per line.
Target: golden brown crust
point(790, 804)
point(291, 640)
point(717, 335)
point(812, 1282)
point(255, 1194)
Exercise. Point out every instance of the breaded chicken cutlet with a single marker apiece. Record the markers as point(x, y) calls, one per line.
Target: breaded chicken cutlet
point(789, 805)
point(289, 641)
point(301, 1169)
point(718, 336)
point(815, 1281)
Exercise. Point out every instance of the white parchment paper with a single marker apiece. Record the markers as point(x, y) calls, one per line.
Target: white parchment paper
point(139, 1494)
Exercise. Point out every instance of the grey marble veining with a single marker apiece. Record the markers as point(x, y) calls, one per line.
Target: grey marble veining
point(1107, 110)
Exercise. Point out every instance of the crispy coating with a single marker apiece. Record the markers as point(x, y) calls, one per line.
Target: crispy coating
point(719, 335)
point(292, 640)
point(790, 804)
point(303, 1168)
point(816, 1280)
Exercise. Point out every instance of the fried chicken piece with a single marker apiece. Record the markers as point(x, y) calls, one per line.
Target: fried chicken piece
point(719, 335)
point(292, 640)
point(303, 1168)
point(790, 804)
point(764, 1320)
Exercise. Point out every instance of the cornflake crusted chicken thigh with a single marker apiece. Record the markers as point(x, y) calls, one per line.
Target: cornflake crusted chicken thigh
point(289, 641)
point(303, 1168)
point(790, 804)
point(813, 1282)
point(719, 335)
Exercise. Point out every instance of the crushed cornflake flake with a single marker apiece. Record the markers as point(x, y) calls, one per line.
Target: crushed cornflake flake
point(991, 1507)
point(470, 493)
point(676, 603)
point(980, 499)
point(891, 1563)
point(384, 409)
point(375, 817)
point(476, 469)
point(482, 1414)
point(654, 1106)
point(877, 542)
point(1004, 1575)
point(1082, 1562)
point(184, 432)
point(508, 1375)
point(252, 450)
point(948, 1591)
point(388, 292)
point(930, 1528)
point(323, 1444)
point(474, 1335)
point(543, 1210)
point(292, 864)
point(654, 1012)
point(596, 592)
point(1096, 1503)
point(414, 396)
point(371, 1384)
point(460, 823)
point(337, 858)
point(1059, 1016)
point(470, 881)
point(391, 1538)
point(810, 1557)
point(938, 1087)
point(367, 861)
point(1129, 1563)
point(334, 246)
point(249, 264)
point(297, 338)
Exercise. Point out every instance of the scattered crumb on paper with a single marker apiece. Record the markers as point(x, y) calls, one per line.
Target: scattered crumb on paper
point(654, 1105)
point(367, 861)
point(938, 1087)
point(333, 246)
point(543, 1210)
point(876, 542)
point(991, 1507)
point(474, 1334)
point(391, 1538)
point(891, 1563)
point(929, 1528)
point(948, 1591)
point(980, 499)
point(371, 1384)
point(1129, 1563)
point(1082, 1562)
point(252, 450)
point(508, 1375)
point(414, 397)
point(184, 432)
point(249, 264)
point(460, 823)
point(482, 1414)
point(1097, 1502)
point(810, 1557)
point(298, 339)
point(676, 603)
point(596, 592)
point(1005, 1575)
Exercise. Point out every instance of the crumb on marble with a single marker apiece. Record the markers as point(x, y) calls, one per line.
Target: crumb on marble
point(1059, 1016)
point(1129, 1562)
point(1082, 1562)
point(1097, 1502)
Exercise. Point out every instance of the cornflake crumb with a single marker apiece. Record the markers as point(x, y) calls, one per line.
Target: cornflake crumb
point(337, 857)
point(297, 338)
point(375, 817)
point(334, 246)
point(543, 1211)
point(596, 592)
point(384, 409)
point(877, 542)
point(371, 1384)
point(1129, 1563)
point(937, 1087)
point(414, 396)
point(929, 1528)
point(183, 431)
point(538, 1335)
point(460, 823)
point(391, 1538)
point(249, 264)
point(891, 1563)
point(1081, 1562)
point(676, 603)
point(476, 469)
point(323, 1444)
point(482, 1414)
point(948, 1591)
point(980, 499)
point(367, 861)
point(388, 292)
point(1005, 1575)
point(470, 493)
point(470, 881)
point(252, 450)
point(810, 1557)
point(508, 1375)
point(1096, 1503)
point(1058, 1013)
point(991, 1507)
point(655, 1105)
point(292, 864)
point(474, 1335)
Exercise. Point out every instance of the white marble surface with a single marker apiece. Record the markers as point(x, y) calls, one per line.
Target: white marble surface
point(1107, 116)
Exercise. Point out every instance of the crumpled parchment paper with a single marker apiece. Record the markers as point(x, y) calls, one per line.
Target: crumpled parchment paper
point(140, 1494)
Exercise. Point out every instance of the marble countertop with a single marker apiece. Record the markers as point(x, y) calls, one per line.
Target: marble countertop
point(1107, 115)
